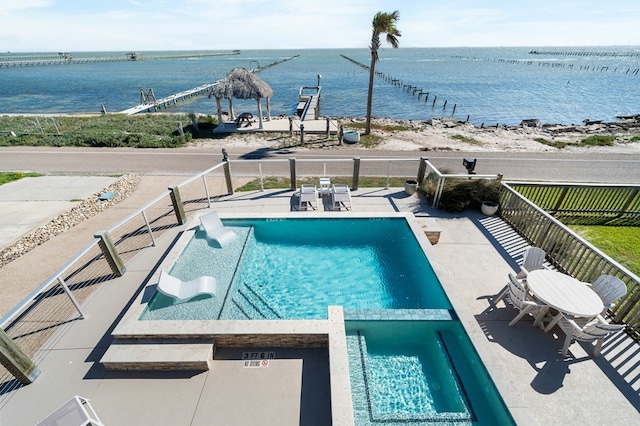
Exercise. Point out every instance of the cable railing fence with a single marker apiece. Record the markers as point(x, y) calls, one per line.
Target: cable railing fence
point(59, 299)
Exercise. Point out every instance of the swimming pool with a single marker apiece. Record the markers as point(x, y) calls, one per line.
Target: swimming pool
point(360, 286)
point(419, 372)
point(296, 268)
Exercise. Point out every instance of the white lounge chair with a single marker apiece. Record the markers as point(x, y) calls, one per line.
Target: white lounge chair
point(215, 230)
point(308, 194)
point(340, 195)
point(587, 330)
point(609, 288)
point(183, 291)
point(517, 295)
point(76, 411)
point(533, 259)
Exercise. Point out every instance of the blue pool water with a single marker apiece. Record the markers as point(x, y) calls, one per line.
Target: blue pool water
point(419, 372)
point(410, 360)
point(295, 268)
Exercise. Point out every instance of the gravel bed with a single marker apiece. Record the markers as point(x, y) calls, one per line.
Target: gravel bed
point(90, 207)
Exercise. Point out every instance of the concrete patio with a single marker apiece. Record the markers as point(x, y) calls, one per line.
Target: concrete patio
point(476, 254)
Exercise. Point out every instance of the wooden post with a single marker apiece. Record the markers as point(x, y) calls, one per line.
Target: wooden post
point(178, 208)
point(194, 122)
point(341, 134)
point(180, 129)
point(227, 172)
point(356, 173)
point(110, 253)
point(292, 172)
point(328, 128)
point(290, 126)
point(15, 361)
point(422, 169)
point(301, 133)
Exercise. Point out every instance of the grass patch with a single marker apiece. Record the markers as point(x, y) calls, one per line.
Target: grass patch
point(112, 130)
point(466, 139)
point(635, 139)
point(285, 183)
point(383, 127)
point(555, 144)
point(594, 140)
point(6, 177)
point(619, 242)
point(370, 141)
point(598, 140)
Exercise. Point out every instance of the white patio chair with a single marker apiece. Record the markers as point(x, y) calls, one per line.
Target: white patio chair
point(215, 230)
point(183, 291)
point(76, 411)
point(533, 259)
point(517, 295)
point(586, 330)
point(610, 289)
point(308, 194)
point(340, 195)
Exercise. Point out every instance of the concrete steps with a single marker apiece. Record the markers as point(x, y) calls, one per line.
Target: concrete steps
point(170, 354)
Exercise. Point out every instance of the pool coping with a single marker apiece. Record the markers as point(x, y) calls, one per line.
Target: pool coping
point(312, 333)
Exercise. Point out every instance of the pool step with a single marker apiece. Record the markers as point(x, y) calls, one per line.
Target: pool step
point(252, 305)
point(170, 354)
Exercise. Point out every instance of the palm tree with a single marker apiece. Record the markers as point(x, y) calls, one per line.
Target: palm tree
point(383, 23)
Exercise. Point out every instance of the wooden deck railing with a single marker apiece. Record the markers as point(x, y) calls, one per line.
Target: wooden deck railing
point(570, 253)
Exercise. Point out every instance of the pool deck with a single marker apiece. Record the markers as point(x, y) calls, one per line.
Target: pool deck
point(474, 253)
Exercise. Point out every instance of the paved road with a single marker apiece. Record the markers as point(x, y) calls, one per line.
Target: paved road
point(591, 167)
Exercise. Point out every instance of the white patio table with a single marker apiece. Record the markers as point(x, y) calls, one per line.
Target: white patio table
point(565, 294)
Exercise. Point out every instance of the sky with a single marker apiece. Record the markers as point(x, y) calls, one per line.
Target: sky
point(139, 25)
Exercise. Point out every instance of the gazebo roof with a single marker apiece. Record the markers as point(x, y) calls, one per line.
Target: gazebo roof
point(241, 84)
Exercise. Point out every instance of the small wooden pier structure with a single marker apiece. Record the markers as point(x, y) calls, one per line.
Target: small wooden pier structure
point(309, 104)
point(149, 103)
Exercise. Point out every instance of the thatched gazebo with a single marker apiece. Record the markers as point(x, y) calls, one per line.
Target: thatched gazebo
point(242, 84)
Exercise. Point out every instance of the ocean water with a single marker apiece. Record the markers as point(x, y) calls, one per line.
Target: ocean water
point(487, 85)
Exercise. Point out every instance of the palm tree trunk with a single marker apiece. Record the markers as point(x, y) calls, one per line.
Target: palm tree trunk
point(367, 129)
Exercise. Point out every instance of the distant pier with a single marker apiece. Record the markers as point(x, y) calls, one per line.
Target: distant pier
point(149, 103)
point(66, 58)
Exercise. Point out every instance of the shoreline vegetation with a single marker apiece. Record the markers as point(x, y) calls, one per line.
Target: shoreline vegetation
point(160, 130)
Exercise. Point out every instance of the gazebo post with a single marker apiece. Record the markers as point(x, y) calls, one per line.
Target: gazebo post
point(268, 108)
point(231, 114)
point(260, 113)
point(220, 122)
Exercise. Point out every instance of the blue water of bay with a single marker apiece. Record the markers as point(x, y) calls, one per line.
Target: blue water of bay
point(487, 85)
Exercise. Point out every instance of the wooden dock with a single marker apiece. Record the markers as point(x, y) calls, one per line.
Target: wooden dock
point(68, 59)
point(148, 102)
point(151, 104)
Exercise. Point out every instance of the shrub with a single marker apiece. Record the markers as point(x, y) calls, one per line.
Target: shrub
point(459, 194)
point(598, 140)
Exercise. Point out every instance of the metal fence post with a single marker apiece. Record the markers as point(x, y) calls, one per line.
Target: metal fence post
point(356, 173)
point(178, 208)
point(292, 172)
point(110, 253)
point(16, 361)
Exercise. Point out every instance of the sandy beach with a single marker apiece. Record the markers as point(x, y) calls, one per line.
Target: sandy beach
point(452, 135)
